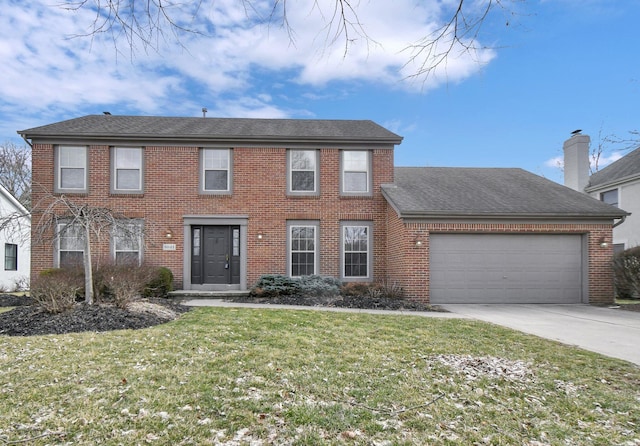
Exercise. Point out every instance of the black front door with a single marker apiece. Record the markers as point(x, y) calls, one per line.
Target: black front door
point(215, 255)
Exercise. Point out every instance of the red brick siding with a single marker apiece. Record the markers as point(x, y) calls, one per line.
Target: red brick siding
point(171, 190)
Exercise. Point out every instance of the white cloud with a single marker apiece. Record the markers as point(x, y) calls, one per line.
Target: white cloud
point(603, 161)
point(48, 74)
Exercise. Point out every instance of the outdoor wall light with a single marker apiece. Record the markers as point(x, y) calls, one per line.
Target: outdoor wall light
point(168, 233)
point(418, 243)
point(260, 235)
point(603, 243)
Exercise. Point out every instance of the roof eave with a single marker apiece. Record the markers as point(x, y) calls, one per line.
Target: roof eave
point(230, 140)
point(445, 215)
point(616, 182)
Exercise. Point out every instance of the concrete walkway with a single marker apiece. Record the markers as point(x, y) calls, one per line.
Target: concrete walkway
point(611, 332)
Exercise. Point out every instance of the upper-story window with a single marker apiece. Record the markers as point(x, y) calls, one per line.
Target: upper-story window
point(216, 170)
point(303, 173)
point(127, 169)
point(610, 197)
point(356, 172)
point(71, 169)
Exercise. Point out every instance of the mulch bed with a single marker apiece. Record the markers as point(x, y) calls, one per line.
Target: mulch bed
point(360, 302)
point(29, 320)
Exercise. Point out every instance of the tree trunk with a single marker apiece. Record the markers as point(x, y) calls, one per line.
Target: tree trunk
point(88, 271)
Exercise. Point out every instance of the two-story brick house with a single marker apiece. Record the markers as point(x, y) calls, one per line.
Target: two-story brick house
point(223, 201)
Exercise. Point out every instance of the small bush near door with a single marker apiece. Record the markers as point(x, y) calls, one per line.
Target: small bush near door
point(626, 269)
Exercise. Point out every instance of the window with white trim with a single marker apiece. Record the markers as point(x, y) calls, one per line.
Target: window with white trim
point(303, 171)
point(216, 170)
point(126, 242)
point(303, 248)
point(356, 172)
point(610, 197)
point(70, 245)
point(10, 257)
point(356, 251)
point(127, 169)
point(71, 169)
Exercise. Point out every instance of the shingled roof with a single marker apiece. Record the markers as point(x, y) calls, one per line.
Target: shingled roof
point(228, 130)
point(626, 168)
point(452, 192)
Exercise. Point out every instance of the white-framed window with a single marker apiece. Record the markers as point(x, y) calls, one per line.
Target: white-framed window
point(126, 243)
point(303, 248)
point(10, 257)
point(356, 250)
point(356, 172)
point(127, 170)
point(216, 170)
point(610, 197)
point(70, 245)
point(71, 169)
point(303, 172)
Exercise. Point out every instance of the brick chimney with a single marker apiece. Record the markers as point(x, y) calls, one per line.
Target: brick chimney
point(576, 161)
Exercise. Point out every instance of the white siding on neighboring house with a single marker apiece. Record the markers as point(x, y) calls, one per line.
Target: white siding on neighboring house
point(628, 233)
point(15, 242)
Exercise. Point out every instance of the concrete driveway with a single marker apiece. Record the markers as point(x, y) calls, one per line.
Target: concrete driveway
point(611, 332)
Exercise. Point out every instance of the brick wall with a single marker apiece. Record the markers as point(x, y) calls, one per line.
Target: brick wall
point(171, 181)
point(410, 264)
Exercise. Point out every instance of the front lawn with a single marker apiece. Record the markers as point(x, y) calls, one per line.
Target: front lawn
point(258, 377)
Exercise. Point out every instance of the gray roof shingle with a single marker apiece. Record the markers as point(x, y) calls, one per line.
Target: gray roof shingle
point(626, 168)
point(214, 129)
point(477, 192)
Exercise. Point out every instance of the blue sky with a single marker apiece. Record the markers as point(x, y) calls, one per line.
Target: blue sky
point(558, 66)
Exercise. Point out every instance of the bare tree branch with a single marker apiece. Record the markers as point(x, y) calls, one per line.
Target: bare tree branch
point(150, 21)
point(455, 37)
point(15, 171)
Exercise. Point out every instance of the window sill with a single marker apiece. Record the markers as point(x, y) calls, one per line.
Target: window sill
point(127, 194)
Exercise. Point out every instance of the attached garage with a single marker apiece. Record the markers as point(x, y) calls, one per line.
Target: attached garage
point(506, 268)
point(497, 235)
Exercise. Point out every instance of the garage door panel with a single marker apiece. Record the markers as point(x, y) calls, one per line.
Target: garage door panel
point(512, 268)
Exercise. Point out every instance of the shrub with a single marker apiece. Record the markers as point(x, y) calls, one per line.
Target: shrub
point(273, 285)
point(390, 289)
point(384, 289)
point(56, 290)
point(160, 284)
point(355, 289)
point(626, 269)
point(319, 286)
point(122, 283)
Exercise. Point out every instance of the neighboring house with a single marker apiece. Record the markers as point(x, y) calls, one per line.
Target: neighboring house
point(15, 229)
point(617, 184)
point(224, 201)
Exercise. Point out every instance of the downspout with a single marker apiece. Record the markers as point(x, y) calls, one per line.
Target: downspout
point(26, 140)
point(622, 219)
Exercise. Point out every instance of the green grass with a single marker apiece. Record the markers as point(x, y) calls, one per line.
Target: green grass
point(240, 377)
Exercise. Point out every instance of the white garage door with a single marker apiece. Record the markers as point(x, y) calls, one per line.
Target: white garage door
point(505, 268)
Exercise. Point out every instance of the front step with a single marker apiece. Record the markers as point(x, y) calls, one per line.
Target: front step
point(197, 294)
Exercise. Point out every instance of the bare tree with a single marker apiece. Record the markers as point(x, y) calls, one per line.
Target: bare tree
point(611, 143)
point(83, 225)
point(15, 171)
point(150, 21)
